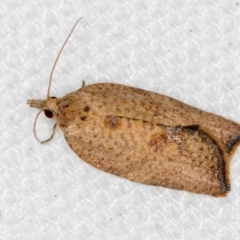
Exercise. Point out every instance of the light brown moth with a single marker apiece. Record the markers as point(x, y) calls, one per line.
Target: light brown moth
point(145, 137)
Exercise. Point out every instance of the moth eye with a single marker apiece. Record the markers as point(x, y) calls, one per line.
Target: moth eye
point(86, 109)
point(53, 97)
point(48, 113)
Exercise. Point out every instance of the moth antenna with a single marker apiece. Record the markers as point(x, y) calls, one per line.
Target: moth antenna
point(54, 65)
point(34, 130)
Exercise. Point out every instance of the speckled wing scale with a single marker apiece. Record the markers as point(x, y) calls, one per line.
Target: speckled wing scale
point(147, 137)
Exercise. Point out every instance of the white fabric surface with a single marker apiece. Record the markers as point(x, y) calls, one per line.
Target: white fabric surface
point(189, 50)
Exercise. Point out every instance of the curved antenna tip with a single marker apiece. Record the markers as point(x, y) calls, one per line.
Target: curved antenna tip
point(61, 49)
point(34, 130)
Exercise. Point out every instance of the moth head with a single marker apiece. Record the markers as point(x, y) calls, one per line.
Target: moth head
point(50, 109)
point(51, 106)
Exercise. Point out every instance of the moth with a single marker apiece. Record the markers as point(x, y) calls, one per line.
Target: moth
point(145, 137)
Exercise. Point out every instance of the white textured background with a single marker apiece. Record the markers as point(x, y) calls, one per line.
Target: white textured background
point(189, 50)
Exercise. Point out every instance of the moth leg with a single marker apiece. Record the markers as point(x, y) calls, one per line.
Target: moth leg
point(53, 133)
point(83, 85)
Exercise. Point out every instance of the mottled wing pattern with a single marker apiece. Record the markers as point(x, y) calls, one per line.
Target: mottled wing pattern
point(146, 137)
point(125, 101)
point(182, 158)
